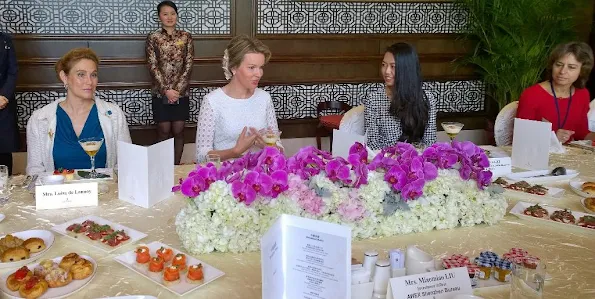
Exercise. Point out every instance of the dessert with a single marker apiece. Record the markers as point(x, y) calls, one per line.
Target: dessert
point(156, 265)
point(589, 188)
point(564, 216)
point(195, 274)
point(590, 203)
point(587, 221)
point(15, 254)
point(536, 211)
point(68, 260)
point(81, 269)
point(18, 278)
point(171, 275)
point(11, 241)
point(52, 273)
point(68, 174)
point(142, 256)
point(33, 288)
point(180, 261)
point(165, 253)
point(34, 245)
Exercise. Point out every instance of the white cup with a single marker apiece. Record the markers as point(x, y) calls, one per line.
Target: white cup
point(417, 261)
point(381, 278)
point(370, 258)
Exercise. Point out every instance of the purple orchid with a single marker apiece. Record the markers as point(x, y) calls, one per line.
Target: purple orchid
point(279, 180)
point(396, 177)
point(260, 182)
point(413, 190)
point(243, 193)
point(337, 170)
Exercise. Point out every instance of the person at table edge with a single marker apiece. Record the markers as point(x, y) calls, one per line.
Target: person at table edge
point(401, 111)
point(231, 116)
point(562, 99)
point(53, 131)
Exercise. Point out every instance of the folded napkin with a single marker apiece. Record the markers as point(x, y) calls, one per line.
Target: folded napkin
point(556, 146)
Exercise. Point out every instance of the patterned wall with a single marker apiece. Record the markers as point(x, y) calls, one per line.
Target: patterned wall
point(291, 16)
point(291, 101)
point(101, 17)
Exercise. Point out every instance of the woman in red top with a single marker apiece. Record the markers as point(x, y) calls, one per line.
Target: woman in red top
point(563, 99)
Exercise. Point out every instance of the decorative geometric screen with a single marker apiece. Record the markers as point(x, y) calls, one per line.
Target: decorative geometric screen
point(101, 17)
point(296, 17)
point(290, 101)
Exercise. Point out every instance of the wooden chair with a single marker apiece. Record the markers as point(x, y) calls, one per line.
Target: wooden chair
point(330, 121)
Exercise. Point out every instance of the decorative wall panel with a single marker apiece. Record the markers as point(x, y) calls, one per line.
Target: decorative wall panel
point(104, 17)
point(291, 101)
point(295, 17)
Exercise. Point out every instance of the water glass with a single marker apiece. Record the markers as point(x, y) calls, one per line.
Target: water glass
point(527, 281)
point(215, 159)
point(4, 188)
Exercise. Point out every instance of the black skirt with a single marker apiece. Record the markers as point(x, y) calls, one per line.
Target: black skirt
point(167, 112)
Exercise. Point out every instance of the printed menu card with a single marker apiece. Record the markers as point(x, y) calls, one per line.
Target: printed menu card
point(304, 258)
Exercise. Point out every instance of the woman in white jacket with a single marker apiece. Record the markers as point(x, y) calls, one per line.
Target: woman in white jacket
point(53, 131)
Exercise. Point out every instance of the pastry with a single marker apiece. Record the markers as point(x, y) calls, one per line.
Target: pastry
point(180, 261)
point(68, 260)
point(34, 245)
point(33, 288)
point(195, 274)
point(563, 216)
point(171, 275)
point(536, 211)
point(18, 278)
point(15, 254)
point(165, 253)
point(589, 189)
point(2, 249)
point(588, 184)
point(590, 203)
point(57, 277)
point(11, 241)
point(81, 269)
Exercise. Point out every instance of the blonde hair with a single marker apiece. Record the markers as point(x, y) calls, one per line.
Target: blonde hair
point(237, 48)
point(72, 57)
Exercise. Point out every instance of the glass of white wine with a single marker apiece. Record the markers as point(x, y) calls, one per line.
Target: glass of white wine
point(270, 136)
point(91, 147)
point(452, 129)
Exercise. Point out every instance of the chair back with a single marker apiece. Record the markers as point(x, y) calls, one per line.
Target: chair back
point(591, 116)
point(504, 125)
point(353, 121)
point(338, 107)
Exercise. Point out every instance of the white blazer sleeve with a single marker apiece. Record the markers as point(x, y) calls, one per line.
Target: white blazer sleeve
point(34, 147)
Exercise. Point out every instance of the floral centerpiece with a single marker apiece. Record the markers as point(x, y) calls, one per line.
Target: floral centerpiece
point(399, 190)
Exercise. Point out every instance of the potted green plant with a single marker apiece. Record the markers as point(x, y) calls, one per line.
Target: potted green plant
point(512, 41)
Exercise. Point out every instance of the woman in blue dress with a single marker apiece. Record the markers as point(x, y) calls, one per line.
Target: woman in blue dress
point(54, 131)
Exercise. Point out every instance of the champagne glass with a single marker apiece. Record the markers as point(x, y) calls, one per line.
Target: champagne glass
point(91, 147)
point(452, 129)
point(270, 136)
point(215, 159)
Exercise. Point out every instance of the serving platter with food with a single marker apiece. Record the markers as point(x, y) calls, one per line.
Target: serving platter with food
point(583, 188)
point(554, 215)
point(526, 191)
point(53, 278)
point(20, 248)
point(98, 232)
point(169, 267)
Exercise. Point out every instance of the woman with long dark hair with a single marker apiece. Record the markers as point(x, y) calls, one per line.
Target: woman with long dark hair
point(401, 111)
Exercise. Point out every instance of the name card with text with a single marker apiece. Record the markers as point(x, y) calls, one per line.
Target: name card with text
point(434, 285)
point(500, 161)
point(66, 196)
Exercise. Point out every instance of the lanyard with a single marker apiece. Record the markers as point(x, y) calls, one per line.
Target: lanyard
point(561, 125)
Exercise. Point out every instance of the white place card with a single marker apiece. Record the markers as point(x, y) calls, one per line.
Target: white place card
point(304, 258)
point(145, 174)
point(343, 140)
point(500, 161)
point(64, 196)
point(433, 285)
point(531, 144)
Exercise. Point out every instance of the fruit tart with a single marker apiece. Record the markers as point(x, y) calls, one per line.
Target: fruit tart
point(536, 211)
point(18, 278)
point(33, 288)
point(564, 216)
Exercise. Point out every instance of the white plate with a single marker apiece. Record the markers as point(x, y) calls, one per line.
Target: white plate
point(53, 293)
point(47, 237)
point(576, 186)
point(133, 234)
point(77, 178)
point(585, 207)
point(2, 217)
point(533, 177)
point(211, 273)
point(520, 207)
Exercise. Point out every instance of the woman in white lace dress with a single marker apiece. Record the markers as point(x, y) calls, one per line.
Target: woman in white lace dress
point(230, 117)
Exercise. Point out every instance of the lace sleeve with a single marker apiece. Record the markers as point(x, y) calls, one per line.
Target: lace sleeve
point(205, 130)
point(429, 137)
point(272, 118)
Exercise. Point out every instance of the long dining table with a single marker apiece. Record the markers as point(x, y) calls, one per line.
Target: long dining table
point(568, 251)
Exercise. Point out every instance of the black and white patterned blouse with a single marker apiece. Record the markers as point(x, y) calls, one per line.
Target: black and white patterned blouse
point(383, 129)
